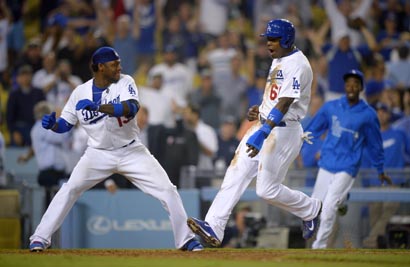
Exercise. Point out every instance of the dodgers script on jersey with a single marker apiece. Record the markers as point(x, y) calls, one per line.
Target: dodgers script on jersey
point(102, 128)
point(289, 76)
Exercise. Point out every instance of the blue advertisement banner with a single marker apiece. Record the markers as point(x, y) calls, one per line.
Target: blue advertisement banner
point(127, 219)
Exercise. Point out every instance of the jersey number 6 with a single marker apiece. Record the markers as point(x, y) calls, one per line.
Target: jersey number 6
point(274, 90)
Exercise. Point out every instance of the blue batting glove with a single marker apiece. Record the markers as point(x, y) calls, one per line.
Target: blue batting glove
point(86, 104)
point(48, 120)
point(256, 139)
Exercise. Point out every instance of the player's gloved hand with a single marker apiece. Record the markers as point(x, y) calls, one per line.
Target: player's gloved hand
point(307, 137)
point(86, 104)
point(48, 120)
point(255, 141)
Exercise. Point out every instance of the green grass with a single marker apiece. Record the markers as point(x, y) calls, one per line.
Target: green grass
point(207, 258)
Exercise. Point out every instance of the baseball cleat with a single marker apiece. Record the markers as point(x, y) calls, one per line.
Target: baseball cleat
point(205, 231)
point(310, 227)
point(342, 209)
point(192, 245)
point(37, 246)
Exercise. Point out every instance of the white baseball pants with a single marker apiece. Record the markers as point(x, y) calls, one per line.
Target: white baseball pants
point(331, 189)
point(270, 167)
point(137, 164)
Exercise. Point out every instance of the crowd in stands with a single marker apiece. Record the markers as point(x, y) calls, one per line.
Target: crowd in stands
point(199, 64)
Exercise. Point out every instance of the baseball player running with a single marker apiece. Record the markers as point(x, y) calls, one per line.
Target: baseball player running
point(106, 106)
point(341, 151)
point(285, 102)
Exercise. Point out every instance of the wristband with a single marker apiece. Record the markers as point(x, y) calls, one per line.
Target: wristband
point(266, 128)
point(118, 110)
point(62, 126)
point(275, 115)
point(133, 109)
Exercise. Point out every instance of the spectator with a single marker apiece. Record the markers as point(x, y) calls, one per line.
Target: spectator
point(393, 98)
point(376, 82)
point(254, 93)
point(147, 15)
point(206, 99)
point(233, 95)
point(48, 148)
point(64, 83)
point(347, 20)
point(207, 137)
point(219, 59)
point(44, 78)
point(157, 102)
point(30, 56)
point(343, 57)
point(227, 141)
point(403, 124)
point(190, 25)
point(174, 34)
point(15, 37)
point(125, 43)
point(180, 148)
point(215, 25)
point(396, 146)
point(20, 106)
point(398, 71)
point(388, 38)
point(177, 78)
point(78, 49)
point(53, 33)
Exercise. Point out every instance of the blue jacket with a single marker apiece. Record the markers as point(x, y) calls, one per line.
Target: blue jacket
point(350, 130)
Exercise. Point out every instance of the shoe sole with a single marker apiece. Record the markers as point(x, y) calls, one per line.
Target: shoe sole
point(36, 249)
point(197, 229)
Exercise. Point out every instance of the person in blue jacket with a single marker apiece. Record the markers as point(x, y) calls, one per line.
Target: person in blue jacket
point(352, 126)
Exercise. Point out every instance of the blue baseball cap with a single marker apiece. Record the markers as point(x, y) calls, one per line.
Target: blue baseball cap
point(104, 54)
point(354, 73)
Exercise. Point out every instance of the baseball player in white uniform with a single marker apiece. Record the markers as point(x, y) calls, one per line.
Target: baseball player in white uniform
point(105, 106)
point(285, 103)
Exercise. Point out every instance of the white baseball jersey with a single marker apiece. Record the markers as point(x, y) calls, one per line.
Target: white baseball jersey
point(289, 76)
point(104, 131)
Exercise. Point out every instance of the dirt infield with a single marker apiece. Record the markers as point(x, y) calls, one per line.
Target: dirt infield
point(206, 258)
point(224, 254)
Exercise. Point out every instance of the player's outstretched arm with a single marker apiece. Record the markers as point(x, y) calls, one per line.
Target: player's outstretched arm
point(59, 125)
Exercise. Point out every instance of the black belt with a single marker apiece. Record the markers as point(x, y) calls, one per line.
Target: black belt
point(129, 143)
point(281, 124)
